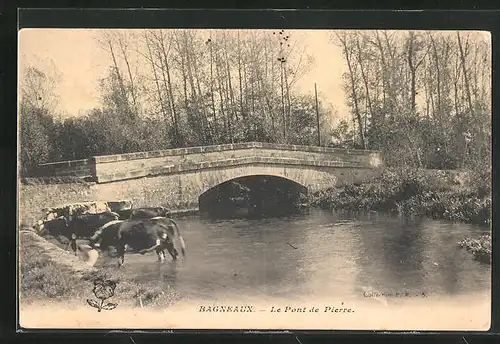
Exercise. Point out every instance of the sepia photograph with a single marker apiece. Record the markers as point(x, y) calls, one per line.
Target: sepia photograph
point(259, 179)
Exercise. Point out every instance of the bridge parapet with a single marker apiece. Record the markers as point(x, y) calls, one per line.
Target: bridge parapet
point(74, 168)
point(227, 147)
point(136, 165)
point(250, 160)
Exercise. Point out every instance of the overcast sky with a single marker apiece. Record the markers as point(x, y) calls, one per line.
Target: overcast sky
point(80, 62)
point(75, 56)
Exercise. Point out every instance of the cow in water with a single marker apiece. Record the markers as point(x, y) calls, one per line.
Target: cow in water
point(142, 236)
point(106, 235)
point(53, 226)
point(82, 226)
point(148, 213)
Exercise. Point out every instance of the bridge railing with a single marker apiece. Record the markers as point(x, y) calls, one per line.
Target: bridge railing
point(231, 162)
point(134, 165)
point(226, 147)
point(74, 168)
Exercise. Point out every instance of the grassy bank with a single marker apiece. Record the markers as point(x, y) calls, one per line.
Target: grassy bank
point(435, 194)
point(50, 274)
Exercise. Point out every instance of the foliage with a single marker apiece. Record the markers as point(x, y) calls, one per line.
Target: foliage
point(193, 87)
point(34, 138)
point(480, 247)
point(104, 132)
point(423, 98)
point(36, 122)
point(412, 192)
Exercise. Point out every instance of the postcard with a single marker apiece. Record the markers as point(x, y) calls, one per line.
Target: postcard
point(284, 179)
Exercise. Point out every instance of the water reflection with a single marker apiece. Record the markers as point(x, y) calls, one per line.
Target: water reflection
point(403, 252)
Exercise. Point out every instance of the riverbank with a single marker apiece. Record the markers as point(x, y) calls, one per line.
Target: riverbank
point(440, 195)
point(52, 275)
point(480, 247)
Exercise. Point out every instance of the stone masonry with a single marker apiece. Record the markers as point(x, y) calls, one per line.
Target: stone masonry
point(180, 176)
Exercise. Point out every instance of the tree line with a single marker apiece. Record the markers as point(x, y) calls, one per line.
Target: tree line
point(178, 88)
point(424, 98)
point(421, 97)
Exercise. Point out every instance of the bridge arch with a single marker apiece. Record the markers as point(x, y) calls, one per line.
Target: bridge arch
point(221, 176)
point(192, 186)
point(301, 187)
point(253, 194)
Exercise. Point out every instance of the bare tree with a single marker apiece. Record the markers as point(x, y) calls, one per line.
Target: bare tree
point(463, 62)
point(344, 40)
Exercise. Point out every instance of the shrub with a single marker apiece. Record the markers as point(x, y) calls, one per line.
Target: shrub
point(480, 247)
point(411, 192)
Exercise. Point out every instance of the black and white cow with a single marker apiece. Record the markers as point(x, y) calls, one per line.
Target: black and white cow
point(142, 236)
point(81, 226)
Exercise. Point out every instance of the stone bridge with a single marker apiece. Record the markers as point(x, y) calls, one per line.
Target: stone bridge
point(179, 176)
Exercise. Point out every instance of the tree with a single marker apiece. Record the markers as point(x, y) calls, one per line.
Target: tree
point(119, 93)
point(414, 94)
point(345, 40)
point(38, 102)
point(34, 140)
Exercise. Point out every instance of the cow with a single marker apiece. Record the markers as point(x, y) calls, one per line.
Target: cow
point(106, 235)
point(147, 213)
point(122, 208)
point(143, 236)
point(116, 206)
point(82, 226)
point(50, 214)
point(54, 227)
point(124, 214)
point(72, 211)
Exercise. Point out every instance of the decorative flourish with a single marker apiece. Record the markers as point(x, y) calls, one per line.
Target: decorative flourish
point(103, 290)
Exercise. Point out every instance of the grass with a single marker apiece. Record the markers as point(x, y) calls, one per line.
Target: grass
point(66, 278)
point(42, 278)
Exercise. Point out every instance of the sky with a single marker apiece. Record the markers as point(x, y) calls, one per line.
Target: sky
point(76, 58)
point(79, 62)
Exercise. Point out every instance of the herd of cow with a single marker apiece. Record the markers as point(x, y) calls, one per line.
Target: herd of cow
point(140, 230)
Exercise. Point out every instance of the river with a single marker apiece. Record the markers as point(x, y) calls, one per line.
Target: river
point(319, 254)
